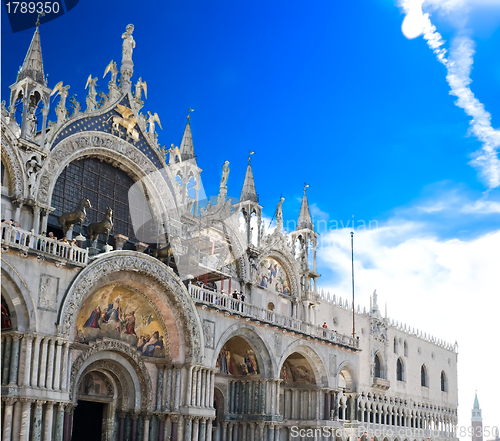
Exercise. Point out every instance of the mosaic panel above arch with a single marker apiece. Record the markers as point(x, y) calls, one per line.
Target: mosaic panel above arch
point(121, 313)
point(271, 275)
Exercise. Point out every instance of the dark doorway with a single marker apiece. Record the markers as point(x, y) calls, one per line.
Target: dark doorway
point(87, 421)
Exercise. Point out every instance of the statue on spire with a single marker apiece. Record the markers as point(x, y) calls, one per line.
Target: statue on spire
point(128, 43)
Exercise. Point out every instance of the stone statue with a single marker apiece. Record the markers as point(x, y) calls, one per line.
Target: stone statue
point(61, 111)
point(32, 123)
point(75, 105)
point(111, 67)
point(91, 97)
point(128, 44)
point(32, 169)
point(225, 174)
point(139, 87)
point(151, 121)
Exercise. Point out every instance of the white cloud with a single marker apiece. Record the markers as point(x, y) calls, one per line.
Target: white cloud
point(459, 65)
point(449, 288)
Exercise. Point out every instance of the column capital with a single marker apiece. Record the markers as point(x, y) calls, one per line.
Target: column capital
point(39, 403)
point(121, 414)
point(9, 401)
point(26, 400)
point(174, 418)
point(70, 407)
point(134, 414)
point(16, 336)
point(161, 416)
point(49, 405)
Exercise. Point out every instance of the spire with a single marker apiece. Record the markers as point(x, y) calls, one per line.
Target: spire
point(187, 149)
point(248, 192)
point(33, 63)
point(305, 221)
point(476, 402)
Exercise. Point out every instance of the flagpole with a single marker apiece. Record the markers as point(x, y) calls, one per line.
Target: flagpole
point(352, 271)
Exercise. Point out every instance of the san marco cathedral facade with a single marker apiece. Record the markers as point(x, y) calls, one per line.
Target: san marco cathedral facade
point(132, 311)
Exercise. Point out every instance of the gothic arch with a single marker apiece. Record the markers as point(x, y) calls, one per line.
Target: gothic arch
point(124, 363)
point(162, 287)
point(347, 368)
point(115, 150)
point(288, 264)
point(19, 299)
point(15, 166)
point(312, 356)
point(260, 347)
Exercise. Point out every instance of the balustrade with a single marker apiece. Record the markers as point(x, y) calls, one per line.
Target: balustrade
point(24, 240)
point(224, 302)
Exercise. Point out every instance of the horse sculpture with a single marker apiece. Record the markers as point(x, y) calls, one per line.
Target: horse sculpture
point(166, 253)
point(78, 215)
point(103, 227)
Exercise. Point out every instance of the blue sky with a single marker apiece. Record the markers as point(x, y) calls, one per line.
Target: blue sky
point(333, 94)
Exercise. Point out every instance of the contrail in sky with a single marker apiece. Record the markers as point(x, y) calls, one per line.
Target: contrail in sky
point(459, 65)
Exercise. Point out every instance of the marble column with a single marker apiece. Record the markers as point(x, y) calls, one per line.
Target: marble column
point(230, 432)
point(252, 431)
point(198, 387)
point(224, 431)
point(147, 419)
point(58, 432)
point(168, 391)
point(134, 416)
point(237, 408)
point(36, 361)
point(159, 388)
point(244, 426)
point(188, 428)
point(193, 378)
point(121, 425)
point(57, 368)
point(276, 433)
point(261, 431)
point(270, 432)
point(6, 359)
point(211, 390)
point(190, 388)
point(50, 364)
point(177, 389)
point(263, 398)
point(25, 419)
point(43, 363)
point(66, 360)
point(203, 429)
point(210, 429)
point(7, 418)
point(256, 387)
point(48, 421)
point(68, 422)
point(14, 360)
point(26, 365)
point(196, 428)
point(37, 421)
point(161, 426)
point(36, 221)
point(175, 428)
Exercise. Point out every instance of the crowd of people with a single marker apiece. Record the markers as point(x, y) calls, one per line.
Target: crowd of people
point(217, 300)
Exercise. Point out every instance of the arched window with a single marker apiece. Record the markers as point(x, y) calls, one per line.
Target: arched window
point(406, 349)
point(395, 345)
point(444, 387)
point(399, 370)
point(423, 376)
point(378, 366)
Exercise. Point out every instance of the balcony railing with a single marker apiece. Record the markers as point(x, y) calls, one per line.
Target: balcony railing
point(35, 243)
point(226, 303)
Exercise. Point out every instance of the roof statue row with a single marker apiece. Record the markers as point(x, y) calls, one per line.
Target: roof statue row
point(118, 113)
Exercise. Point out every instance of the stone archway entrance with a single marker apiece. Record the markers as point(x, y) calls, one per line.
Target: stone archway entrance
point(96, 395)
point(88, 421)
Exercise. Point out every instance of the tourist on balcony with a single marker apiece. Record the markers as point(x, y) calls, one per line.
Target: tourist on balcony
point(242, 298)
point(325, 327)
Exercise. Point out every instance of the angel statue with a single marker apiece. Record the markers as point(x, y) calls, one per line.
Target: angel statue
point(61, 111)
point(225, 174)
point(141, 86)
point(128, 43)
point(151, 121)
point(91, 97)
point(111, 67)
